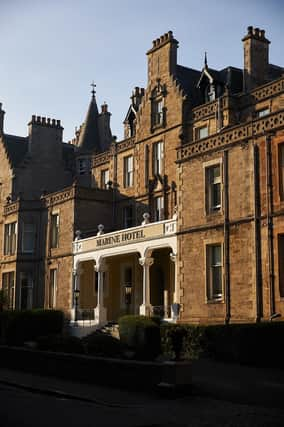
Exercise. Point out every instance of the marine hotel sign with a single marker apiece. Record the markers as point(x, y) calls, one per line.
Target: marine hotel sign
point(124, 237)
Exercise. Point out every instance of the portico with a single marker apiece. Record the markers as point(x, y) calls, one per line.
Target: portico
point(128, 271)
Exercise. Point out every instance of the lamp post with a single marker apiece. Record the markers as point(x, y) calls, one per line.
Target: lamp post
point(128, 293)
point(76, 299)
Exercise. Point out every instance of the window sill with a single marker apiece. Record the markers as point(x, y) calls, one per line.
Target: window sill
point(215, 212)
point(215, 301)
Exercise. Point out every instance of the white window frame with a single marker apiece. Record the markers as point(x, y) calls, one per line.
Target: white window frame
point(52, 289)
point(10, 290)
point(263, 112)
point(211, 294)
point(104, 178)
point(158, 157)
point(128, 171)
point(157, 111)
point(159, 208)
point(29, 230)
point(210, 182)
point(53, 244)
point(202, 132)
point(10, 238)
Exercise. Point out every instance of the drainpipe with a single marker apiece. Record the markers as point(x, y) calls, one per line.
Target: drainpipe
point(114, 190)
point(257, 234)
point(227, 239)
point(269, 199)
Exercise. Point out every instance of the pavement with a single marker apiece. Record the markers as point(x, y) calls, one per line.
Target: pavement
point(223, 381)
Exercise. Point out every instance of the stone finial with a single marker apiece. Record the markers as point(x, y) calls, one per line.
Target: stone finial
point(78, 234)
point(104, 108)
point(175, 215)
point(100, 229)
point(146, 218)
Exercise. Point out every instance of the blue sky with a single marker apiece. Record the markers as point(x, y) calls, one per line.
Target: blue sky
point(52, 50)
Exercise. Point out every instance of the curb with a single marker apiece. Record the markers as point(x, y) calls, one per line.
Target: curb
point(65, 395)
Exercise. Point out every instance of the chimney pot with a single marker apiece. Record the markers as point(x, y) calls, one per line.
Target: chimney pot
point(250, 28)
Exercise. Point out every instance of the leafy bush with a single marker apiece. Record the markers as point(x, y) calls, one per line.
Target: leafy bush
point(181, 341)
point(20, 326)
point(141, 334)
point(61, 343)
point(100, 344)
point(255, 343)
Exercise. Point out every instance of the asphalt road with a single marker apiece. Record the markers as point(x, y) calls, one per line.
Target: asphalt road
point(20, 408)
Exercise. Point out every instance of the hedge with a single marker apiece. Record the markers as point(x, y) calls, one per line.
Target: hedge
point(16, 327)
point(257, 344)
point(141, 334)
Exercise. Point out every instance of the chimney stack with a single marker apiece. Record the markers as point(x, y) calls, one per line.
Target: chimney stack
point(256, 51)
point(2, 113)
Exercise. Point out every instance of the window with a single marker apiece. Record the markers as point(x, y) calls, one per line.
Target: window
point(214, 272)
point(54, 231)
point(213, 188)
point(128, 216)
point(28, 238)
point(8, 285)
point(263, 112)
point(26, 283)
point(281, 170)
point(128, 171)
point(158, 150)
point(104, 178)
point(158, 208)
point(52, 287)
point(201, 132)
point(83, 166)
point(10, 234)
point(281, 264)
point(157, 112)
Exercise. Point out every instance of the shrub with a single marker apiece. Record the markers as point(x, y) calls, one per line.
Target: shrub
point(181, 341)
point(255, 343)
point(141, 334)
point(21, 326)
point(61, 343)
point(100, 344)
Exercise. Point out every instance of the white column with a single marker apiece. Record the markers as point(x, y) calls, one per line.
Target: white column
point(173, 258)
point(77, 272)
point(100, 310)
point(145, 308)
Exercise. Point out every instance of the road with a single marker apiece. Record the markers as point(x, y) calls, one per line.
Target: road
point(21, 408)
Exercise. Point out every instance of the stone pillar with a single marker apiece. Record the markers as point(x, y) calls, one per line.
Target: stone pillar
point(145, 308)
point(77, 272)
point(173, 258)
point(100, 310)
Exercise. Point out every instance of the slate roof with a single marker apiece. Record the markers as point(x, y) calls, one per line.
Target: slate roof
point(188, 78)
point(16, 147)
point(89, 139)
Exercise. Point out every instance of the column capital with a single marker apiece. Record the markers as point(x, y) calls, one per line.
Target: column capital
point(173, 257)
point(146, 261)
point(78, 271)
point(101, 266)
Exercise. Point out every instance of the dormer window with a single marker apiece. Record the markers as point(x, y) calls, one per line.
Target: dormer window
point(158, 117)
point(157, 112)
